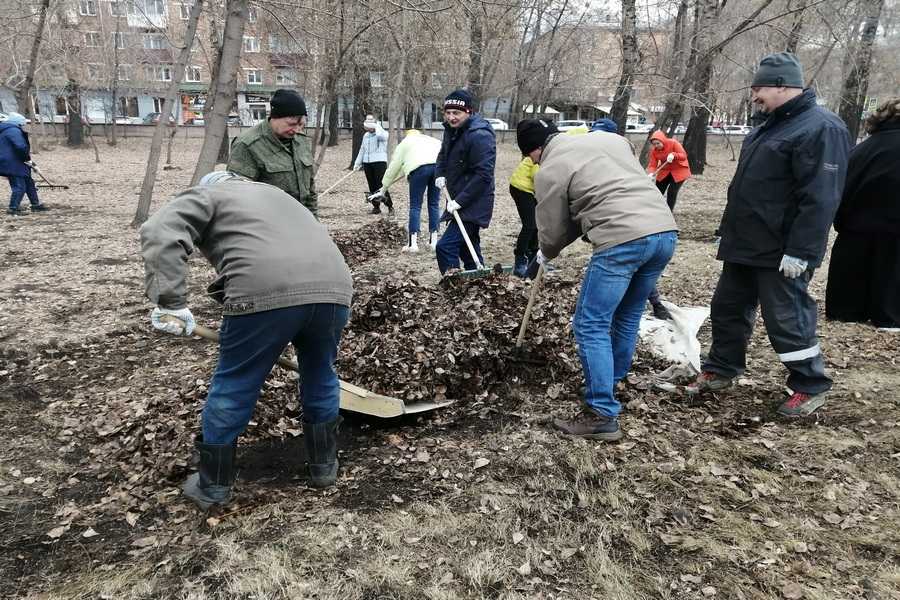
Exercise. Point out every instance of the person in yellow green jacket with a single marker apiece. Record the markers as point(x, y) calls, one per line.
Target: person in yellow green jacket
point(521, 188)
point(415, 158)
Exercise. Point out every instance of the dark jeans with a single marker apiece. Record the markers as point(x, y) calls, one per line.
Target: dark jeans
point(668, 187)
point(452, 247)
point(250, 344)
point(527, 241)
point(374, 171)
point(421, 181)
point(790, 317)
point(20, 186)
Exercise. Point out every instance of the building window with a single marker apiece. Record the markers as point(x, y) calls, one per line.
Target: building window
point(159, 73)
point(251, 44)
point(158, 104)
point(184, 10)
point(92, 39)
point(155, 41)
point(251, 14)
point(254, 76)
point(94, 71)
point(61, 105)
point(192, 74)
point(155, 8)
point(117, 8)
point(87, 8)
point(123, 73)
point(257, 113)
point(118, 40)
point(376, 79)
point(285, 76)
point(128, 106)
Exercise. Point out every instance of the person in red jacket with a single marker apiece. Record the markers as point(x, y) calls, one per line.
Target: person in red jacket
point(669, 154)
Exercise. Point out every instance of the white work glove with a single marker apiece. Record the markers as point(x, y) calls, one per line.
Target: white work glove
point(792, 267)
point(440, 182)
point(453, 206)
point(31, 163)
point(357, 167)
point(174, 328)
point(532, 270)
point(376, 195)
point(670, 158)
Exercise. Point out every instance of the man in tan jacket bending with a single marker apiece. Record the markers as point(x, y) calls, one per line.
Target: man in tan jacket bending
point(592, 187)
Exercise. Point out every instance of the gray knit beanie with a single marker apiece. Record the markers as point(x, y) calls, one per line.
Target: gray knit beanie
point(781, 69)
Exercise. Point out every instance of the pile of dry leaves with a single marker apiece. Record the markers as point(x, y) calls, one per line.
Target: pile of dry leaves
point(359, 245)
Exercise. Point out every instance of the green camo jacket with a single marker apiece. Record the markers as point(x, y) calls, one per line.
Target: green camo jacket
point(260, 156)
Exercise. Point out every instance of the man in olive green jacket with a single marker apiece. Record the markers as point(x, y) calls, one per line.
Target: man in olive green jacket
point(277, 153)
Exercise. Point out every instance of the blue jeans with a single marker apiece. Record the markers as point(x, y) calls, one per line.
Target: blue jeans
point(608, 315)
point(420, 181)
point(250, 344)
point(21, 185)
point(452, 247)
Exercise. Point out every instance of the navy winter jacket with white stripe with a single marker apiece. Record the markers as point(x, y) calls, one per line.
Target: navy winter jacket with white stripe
point(14, 151)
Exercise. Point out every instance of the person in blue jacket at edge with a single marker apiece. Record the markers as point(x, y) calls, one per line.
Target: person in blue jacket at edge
point(465, 168)
point(16, 164)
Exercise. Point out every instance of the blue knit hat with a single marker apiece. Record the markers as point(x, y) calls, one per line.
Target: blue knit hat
point(605, 125)
point(460, 100)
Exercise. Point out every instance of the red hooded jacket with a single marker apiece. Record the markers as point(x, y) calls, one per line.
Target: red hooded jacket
point(679, 169)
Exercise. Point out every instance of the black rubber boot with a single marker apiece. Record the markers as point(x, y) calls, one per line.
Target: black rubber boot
point(661, 312)
point(321, 451)
point(376, 208)
point(389, 203)
point(212, 483)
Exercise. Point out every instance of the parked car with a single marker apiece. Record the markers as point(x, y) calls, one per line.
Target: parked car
point(153, 118)
point(498, 125)
point(436, 125)
point(570, 124)
point(234, 120)
point(639, 127)
point(680, 128)
point(737, 129)
point(710, 130)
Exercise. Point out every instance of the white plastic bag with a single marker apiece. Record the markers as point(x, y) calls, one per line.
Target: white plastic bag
point(675, 340)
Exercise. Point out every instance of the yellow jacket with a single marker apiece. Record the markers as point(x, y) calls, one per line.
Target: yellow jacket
point(523, 177)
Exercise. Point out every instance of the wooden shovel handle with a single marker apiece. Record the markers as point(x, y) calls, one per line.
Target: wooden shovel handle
point(213, 336)
point(527, 317)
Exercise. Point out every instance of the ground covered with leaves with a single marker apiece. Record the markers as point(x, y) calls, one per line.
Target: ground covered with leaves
point(711, 496)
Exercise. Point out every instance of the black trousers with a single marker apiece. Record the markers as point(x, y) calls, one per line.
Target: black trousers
point(374, 172)
point(668, 187)
point(864, 280)
point(789, 314)
point(527, 240)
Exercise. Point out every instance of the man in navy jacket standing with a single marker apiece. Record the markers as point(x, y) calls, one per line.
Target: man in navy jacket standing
point(781, 202)
point(465, 167)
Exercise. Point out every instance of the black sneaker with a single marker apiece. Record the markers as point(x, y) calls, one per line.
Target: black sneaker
point(661, 312)
point(40, 208)
point(376, 210)
point(592, 426)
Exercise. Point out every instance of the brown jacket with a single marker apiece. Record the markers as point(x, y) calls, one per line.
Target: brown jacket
point(591, 185)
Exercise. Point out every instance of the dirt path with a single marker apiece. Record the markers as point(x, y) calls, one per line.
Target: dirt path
point(709, 497)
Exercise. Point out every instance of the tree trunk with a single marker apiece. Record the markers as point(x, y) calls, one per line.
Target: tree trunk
point(362, 103)
point(695, 136)
point(115, 84)
point(23, 92)
point(334, 114)
point(75, 137)
point(225, 86)
point(476, 52)
point(856, 77)
point(630, 60)
point(146, 195)
point(793, 39)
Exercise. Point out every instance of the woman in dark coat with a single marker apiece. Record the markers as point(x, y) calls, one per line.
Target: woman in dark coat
point(864, 274)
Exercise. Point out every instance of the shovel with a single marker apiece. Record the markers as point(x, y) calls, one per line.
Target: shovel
point(49, 185)
point(518, 354)
point(353, 398)
point(338, 182)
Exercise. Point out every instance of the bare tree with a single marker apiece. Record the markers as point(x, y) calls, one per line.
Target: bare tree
point(857, 66)
point(630, 60)
point(184, 56)
point(23, 92)
point(223, 88)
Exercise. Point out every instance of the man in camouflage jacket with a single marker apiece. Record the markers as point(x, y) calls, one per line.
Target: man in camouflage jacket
point(277, 153)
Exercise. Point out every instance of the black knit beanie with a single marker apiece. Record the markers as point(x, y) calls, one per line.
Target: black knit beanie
point(781, 69)
point(287, 103)
point(531, 134)
point(460, 100)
